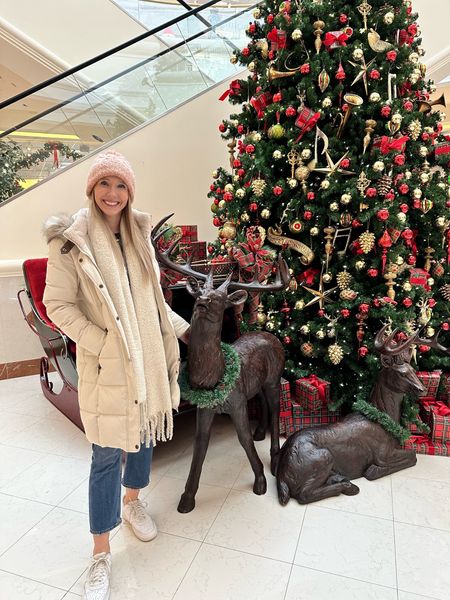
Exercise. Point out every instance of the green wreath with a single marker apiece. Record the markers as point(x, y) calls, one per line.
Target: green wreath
point(387, 423)
point(217, 396)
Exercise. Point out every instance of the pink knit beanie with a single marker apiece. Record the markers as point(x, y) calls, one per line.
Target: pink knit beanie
point(111, 164)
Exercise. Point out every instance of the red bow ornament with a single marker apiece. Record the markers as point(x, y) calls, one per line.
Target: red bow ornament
point(386, 144)
point(277, 39)
point(306, 120)
point(233, 90)
point(334, 39)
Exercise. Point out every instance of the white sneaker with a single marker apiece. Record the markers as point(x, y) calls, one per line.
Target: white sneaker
point(141, 523)
point(97, 584)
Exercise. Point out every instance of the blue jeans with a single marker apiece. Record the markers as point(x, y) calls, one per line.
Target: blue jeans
point(105, 479)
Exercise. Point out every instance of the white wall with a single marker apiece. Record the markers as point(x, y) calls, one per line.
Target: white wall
point(173, 159)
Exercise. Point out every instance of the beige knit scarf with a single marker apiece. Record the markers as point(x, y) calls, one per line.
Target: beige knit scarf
point(135, 303)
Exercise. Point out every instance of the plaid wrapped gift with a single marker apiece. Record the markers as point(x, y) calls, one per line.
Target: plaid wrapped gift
point(437, 416)
point(196, 250)
point(188, 234)
point(306, 418)
point(311, 392)
point(285, 406)
point(430, 380)
point(444, 389)
point(422, 444)
point(286, 423)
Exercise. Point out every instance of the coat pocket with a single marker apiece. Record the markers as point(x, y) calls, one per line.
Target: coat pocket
point(111, 367)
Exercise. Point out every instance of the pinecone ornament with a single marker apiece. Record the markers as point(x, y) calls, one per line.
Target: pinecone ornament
point(414, 129)
point(384, 185)
point(335, 353)
point(367, 241)
point(344, 280)
point(445, 291)
point(258, 187)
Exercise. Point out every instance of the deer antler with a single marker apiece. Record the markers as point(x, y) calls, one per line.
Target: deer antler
point(386, 345)
point(282, 276)
point(432, 342)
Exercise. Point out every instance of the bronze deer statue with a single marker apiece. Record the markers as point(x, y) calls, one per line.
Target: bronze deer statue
point(318, 463)
point(261, 357)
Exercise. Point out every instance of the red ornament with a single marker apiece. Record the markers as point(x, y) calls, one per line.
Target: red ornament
point(363, 351)
point(277, 190)
point(345, 107)
point(249, 148)
point(310, 195)
point(431, 302)
point(240, 129)
point(253, 207)
point(412, 29)
point(212, 187)
point(390, 195)
point(269, 19)
point(305, 68)
point(372, 272)
point(216, 201)
point(374, 74)
point(217, 222)
point(210, 249)
point(343, 18)
point(445, 326)
point(391, 55)
point(423, 348)
point(407, 302)
point(222, 127)
point(408, 105)
point(287, 339)
point(386, 111)
point(245, 51)
point(320, 312)
point(228, 196)
point(290, 111)
point(340, 73)
point(399, 160)
point(241, 173)
point(416, 204)
point(277, 97)
point(345, 312)
point(403, 188)
point(252, 28)
point(425, 136)
point(345, 163)
point(307, 215)
point(411, 260)
point(236, 163)
point(364, 308)
point(383, 214)
point(356, 223)
point(271, 54)
point(371, 192)
point(404, 208)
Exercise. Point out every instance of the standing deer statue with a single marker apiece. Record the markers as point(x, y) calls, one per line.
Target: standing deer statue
point(318, 463)
point(261, 358)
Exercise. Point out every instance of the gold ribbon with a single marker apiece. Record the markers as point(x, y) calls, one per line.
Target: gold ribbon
point(275, 237)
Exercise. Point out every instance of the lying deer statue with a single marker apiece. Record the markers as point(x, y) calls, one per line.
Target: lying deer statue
point(261, 357)
point(318, 463)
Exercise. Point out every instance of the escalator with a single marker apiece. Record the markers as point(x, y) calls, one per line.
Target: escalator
point(101, 100)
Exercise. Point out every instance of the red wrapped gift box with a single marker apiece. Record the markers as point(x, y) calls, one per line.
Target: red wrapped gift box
point(306, 418)
point(196, 250)
point(437, 416)
point(422, 444)
point(188, 234)
point(287, 423)
point(444, 389)
point(311, 392)
point(430, 380)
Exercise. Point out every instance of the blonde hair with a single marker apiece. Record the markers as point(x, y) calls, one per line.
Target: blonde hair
point(134, 234)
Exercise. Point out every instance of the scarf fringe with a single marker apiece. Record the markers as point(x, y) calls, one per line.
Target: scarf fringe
point(157, 428)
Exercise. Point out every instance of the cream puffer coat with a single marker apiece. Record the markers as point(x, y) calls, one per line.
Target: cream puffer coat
point(78, 302)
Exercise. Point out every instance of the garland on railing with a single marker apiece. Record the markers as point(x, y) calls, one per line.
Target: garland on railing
point(217, 396)
point(372, 413)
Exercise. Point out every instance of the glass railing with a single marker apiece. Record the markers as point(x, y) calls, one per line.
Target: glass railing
point(48, 129)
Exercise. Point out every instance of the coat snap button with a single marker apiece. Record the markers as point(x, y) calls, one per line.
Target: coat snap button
point(100, 285)
point(117, 318)
point(137, 447)
point(80, 259)
point(135, 401)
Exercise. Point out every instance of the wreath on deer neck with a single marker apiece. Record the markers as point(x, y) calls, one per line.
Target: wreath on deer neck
point(372, 413)
point(217, 396)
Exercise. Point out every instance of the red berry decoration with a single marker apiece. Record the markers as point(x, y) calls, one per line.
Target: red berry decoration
point(364, 308)
point(404, 208)
point(408, 105)
point(310, 195)
point(290, 111)
point(345, 163)
point(277, 190)
point(343, 18)
point(287, 340)
point(383, 214)
point(399, 160)
point(431, 302)
point(210, 249)
point(240, 129)
point(390, 195)
point(374, 74)
point(407, 302)
point(411, 260)
point(403, 188)
point(228, 196)
point(271, 55)
point(252, 28)
point(269, 19)
point(216, 200)
point(249, 148)
point(445, 326)
point(391, 56)
point(371, 192)
point(385, 111)
point(363, 351)
point(245, 51)
point(236, 163)
point(320, 312)
point(305, 68)
point(217, 222)
point(307, 215)
point(222, 127)
point(253, 207)
point(277, 97)
point(340, 73)
point(345, 312)
point(423, 348)
point(372, 272)
point(212, 187)
point(241, 173)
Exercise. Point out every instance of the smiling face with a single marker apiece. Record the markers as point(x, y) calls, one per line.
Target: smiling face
point(111, 196)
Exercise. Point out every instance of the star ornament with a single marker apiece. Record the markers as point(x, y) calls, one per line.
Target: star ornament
point(320, 295)
point(334, 167)
point(363, 72)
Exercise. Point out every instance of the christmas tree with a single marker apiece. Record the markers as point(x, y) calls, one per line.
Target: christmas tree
point(339, 161)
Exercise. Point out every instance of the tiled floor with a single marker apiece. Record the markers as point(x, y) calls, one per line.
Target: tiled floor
point(391, 542)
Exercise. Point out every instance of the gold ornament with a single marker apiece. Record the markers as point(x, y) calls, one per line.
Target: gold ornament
point(384, 184)
point(296, 35)
point(274, 235)
point(320, 334)
point(344, 280)
point(293, 285)
point(320, 295)
point(228, 230)
point(390, 275)
point(348, 294)
point(233, 59)
point(295, 226)
point(245, 217)
point(336, 353)
point(261, 317)
point(258, 186)
point(264, 47)
point(376, 43)
point(318, 30)
point(307, 349)
point(265, 213)
point(304, 329)
point(428, 254)
point(270, 325)
point(414, 129)
point(276, 131)
point(364, 9)
point(367, 241)
point(370, 128)
point(327, 277)
point(299, 305)
point(352, 100)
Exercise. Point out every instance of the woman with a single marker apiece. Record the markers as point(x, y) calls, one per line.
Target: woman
point(103, 291)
